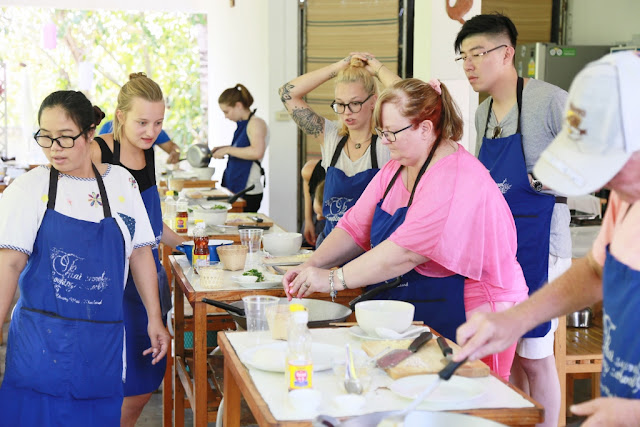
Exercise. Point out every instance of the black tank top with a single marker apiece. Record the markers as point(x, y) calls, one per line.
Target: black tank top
point(145, 176)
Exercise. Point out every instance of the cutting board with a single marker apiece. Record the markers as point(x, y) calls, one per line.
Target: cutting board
point(287, 260)
point(427, 360)
point(245, 219)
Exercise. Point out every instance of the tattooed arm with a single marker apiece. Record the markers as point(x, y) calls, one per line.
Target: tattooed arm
point(292, 96)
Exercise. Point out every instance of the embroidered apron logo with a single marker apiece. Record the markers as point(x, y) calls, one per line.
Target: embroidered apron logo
point(504, 186)
point(71, 284)
point(337, 207)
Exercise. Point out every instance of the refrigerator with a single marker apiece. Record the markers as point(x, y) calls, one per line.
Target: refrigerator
point(553, 63)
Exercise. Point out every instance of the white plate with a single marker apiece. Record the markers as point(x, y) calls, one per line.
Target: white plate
point(357, 331)
point(270, 281)
point(271, 357)
point(457, 389)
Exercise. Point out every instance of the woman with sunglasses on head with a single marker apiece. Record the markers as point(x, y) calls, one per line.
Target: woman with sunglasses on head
point(69, 231)
point(432, 215)
point(137, 123)
point(351, 154)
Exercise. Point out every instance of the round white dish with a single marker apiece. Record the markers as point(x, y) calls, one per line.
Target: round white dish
point(271, 357)
point(457, 389)
point(270, 281)
point(357, 331)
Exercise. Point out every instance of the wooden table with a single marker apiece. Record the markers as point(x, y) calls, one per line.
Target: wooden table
point(238, 384)
point(194, 384)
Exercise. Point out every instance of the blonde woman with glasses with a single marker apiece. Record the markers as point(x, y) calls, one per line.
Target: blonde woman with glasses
point(351, 153)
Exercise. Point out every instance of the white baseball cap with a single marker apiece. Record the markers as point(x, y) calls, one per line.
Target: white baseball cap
point(601, 129)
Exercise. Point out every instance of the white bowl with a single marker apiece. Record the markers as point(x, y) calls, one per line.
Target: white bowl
point(282, 244)
point(203, 174)
point(210, 214)
point(392, 314)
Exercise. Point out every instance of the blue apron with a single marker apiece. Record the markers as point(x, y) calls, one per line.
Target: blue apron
point(64, 353)
point(342, 191)
point(621, 359)
point(142, 376)
point(438, 301)
point(236, 174)
point(531, 210)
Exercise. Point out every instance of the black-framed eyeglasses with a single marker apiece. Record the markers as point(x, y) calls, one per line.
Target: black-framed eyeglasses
point(388, 134)
point(354, 106)
point(475, 57)
point(63, 141)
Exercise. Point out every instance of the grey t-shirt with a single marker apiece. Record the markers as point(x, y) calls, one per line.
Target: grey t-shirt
point(542, 116)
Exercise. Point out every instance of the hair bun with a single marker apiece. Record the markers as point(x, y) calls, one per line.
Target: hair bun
point(133, 76)
point(98, 115)
point(356, 62)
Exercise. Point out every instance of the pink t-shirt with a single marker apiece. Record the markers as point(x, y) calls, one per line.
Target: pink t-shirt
point(458, 219)
point(621, 231)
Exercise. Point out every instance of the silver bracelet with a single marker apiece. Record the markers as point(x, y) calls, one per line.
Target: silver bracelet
point(341, 277)
point(333, 292)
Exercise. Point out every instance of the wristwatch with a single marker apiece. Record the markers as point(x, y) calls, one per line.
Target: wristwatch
point(536, 185)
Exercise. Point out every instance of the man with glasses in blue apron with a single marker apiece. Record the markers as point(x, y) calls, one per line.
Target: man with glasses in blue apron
point(515, 124)
point(599, 146)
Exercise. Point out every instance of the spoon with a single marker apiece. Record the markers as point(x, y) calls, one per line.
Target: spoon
point(393, 335)
point(351, 382)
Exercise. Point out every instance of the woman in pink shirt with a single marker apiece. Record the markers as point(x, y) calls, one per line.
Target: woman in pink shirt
point(432, 215)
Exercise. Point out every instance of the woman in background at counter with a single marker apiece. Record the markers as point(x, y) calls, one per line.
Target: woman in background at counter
point(433, 215)
point(68, 233)
point(313, 175)
point(247, 148)
point(137, 123)
point(350, 154)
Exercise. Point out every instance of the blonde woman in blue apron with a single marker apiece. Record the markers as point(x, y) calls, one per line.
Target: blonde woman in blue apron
point(599, 145)
point(69, 231)
point(351, 152)
point(247, 147)
point(137, 123)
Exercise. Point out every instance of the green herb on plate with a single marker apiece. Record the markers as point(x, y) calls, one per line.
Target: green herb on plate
point(254, 272)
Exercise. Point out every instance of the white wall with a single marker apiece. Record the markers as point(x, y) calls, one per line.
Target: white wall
point(603, 22)
point(434, 57)
point(253, 43)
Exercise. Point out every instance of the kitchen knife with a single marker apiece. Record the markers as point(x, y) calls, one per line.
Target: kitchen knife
point(394, 357)
point(447, 351)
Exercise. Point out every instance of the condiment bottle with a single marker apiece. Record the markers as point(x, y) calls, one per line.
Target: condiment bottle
point(299, 363)
point(200, 245)
point(182, 216)
point(169, 209)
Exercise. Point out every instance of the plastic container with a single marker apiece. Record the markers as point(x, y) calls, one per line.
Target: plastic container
point(169, 212)
point(200, 245)
point(182, 214)
point(299, 361)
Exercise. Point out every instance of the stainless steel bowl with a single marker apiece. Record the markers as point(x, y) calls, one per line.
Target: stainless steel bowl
point(580, 319)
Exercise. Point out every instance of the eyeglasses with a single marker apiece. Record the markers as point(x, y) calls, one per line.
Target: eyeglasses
point(45, 141)
point(476, 57)
point(389, 135)
point(354, 106)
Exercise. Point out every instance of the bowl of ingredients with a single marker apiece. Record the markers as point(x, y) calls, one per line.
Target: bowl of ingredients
point(214, 213)
point(282, 244)
point(392, 314)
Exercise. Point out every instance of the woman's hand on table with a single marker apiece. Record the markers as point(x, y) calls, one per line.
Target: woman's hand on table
point(302, 281)
point(609, 412)
point(160, 341)
point(487, 333)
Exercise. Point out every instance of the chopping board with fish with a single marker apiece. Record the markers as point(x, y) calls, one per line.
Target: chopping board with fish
point(427, 360)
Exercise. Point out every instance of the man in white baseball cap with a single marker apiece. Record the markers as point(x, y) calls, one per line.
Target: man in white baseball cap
point(599, 146)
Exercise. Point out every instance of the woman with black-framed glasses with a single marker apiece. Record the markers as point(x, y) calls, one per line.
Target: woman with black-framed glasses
point(351, 155)
point(69, 233)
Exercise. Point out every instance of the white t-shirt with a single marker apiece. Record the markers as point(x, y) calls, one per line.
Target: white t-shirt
point(344, 163)
point(24, 203)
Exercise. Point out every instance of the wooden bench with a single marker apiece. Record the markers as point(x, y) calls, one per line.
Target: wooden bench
point(578, 354)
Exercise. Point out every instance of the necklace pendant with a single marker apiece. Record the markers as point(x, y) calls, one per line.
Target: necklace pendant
point(358, 145)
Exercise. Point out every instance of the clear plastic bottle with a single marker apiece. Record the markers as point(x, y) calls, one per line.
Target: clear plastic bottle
point(169, 209)
point(200, 245)
point(182, 215)
point(299, 362)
